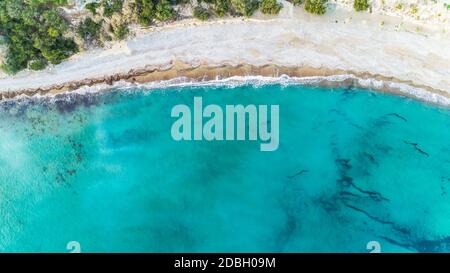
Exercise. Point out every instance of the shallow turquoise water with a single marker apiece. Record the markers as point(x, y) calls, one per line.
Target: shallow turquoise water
point(353, 166)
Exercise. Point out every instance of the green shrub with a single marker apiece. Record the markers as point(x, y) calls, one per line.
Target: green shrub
point(164, 11)
point(245, 7)
point(221, 7)
point(145, 11)
point(270, 7)
point(89, 30)
point(38, 64)
point(56, 54)
point(55, 2)
point(34, 33)
point(316, 6)
point(361, 5)
point(111, 6)
point(201, 13)
point(92, 7)
point(121, 31)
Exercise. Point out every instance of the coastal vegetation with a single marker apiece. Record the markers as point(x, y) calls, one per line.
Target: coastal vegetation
point(35, 34)
point(164, 11)
point(39, 32)
point(145, 12)
point(89, 31)
point(318, 7)
point(361, 5)
point(111, 6)
point(92, 7)
point(201, 13)
point(121, 31)
point(221, 7)
point(270, 7)
point(245, 7)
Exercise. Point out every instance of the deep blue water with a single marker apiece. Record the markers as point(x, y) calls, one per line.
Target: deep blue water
point(353, 166)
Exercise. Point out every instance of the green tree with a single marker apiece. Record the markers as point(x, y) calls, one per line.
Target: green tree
point(121, 31)
point(34, 33)
point(92, 7)
point(58, 50)
point(270, 7)
point(201, 13)
point(221, 7)
point(316, 6)
point(145, 11)
point(38, 64)
point(164, 11)
point(111, 6)
point(245, 7)
point(361, 5)
point(89, 30)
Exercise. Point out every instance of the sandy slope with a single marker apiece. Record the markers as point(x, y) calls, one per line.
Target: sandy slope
point(342, 40)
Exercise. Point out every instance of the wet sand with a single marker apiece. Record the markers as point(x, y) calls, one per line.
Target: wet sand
point(207, 73)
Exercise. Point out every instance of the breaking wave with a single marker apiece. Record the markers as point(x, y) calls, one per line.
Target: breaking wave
point(347, 80)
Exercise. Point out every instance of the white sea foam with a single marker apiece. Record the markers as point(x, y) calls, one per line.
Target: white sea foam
point(257, 81)
point(372, 84)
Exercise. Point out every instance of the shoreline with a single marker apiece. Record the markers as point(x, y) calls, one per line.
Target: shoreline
point(296, 44)
point(308, 76)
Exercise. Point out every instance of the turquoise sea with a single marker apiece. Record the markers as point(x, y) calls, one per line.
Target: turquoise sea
point(353, 166)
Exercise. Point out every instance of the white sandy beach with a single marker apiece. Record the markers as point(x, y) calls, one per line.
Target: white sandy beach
point(342, 40)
